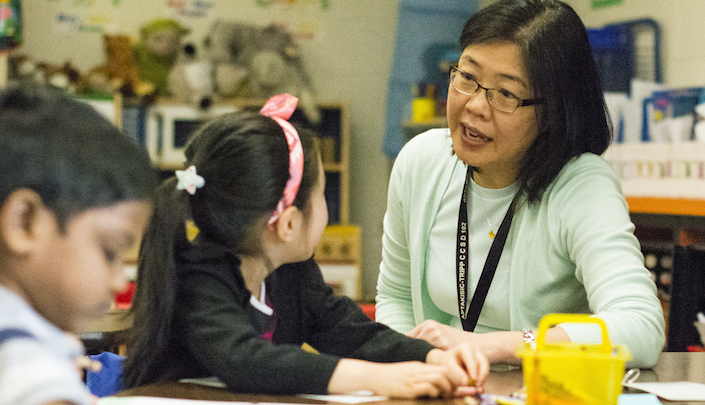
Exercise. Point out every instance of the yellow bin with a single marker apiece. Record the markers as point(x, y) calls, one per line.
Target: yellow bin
point(571, 373)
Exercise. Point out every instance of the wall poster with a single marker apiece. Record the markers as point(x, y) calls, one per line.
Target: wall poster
point(302, 18)
point(604, 3)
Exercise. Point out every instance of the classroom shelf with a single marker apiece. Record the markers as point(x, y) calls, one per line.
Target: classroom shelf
point(411, 129)
point(666, 206)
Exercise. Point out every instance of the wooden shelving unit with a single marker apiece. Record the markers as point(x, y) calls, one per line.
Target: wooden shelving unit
point(412, 128)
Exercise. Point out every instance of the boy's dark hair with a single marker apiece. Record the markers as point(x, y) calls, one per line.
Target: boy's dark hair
point(66, 152)
point(572, 117)
point(244, 160)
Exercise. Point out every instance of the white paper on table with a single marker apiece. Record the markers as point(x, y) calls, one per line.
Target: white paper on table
point(138, 400)
point(346, 399)
point(162, 401)
point(673, 391)
point(205, 381)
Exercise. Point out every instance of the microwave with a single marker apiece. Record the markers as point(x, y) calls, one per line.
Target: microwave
point(169, 127)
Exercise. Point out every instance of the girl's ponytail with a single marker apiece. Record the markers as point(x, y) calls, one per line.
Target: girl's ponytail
point(153, 305)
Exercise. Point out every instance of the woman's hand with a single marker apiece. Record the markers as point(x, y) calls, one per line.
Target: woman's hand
point(466, 365)
point(439, 335)
point(498, 347)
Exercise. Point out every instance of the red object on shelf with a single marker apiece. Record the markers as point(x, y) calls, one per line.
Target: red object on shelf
point(124, 299)
point(696, 348)
point(369, 310)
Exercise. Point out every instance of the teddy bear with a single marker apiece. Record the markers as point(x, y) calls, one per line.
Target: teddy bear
point(269, 55)
point(119, 72)
point(157, 51)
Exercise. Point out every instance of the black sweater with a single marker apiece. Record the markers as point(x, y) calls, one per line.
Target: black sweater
point(215, 329)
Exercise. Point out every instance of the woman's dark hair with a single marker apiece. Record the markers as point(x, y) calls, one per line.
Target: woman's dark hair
point(573, 118)
point(68, 153)
point(244, 160)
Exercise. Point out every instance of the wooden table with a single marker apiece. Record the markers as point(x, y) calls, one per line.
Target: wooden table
point(108, 333)
point(502, 381)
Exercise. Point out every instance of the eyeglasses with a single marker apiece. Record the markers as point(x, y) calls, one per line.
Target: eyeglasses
point(500, 99)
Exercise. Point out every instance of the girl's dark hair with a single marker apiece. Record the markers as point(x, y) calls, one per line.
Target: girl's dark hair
point(68, 153)
point(572, 118)
point(244, 160)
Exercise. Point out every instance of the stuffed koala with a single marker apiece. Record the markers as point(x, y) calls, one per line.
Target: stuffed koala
point(193, 80)
point(270, 57)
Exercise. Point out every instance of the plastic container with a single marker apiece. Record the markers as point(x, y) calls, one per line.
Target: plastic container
point(571, 373)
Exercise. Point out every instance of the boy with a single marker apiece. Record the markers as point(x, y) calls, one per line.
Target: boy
point(74, 198)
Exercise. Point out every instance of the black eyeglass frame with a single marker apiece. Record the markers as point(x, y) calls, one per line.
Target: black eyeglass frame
point(522, 102)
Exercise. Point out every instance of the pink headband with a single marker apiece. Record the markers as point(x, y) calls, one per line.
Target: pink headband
point(280, 108)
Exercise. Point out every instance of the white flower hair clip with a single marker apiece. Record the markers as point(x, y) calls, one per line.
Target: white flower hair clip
point(189, 180)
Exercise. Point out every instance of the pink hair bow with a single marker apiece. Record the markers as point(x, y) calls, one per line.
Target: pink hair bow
point(280, 108)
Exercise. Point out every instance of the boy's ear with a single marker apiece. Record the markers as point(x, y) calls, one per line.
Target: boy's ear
point(288, 223)
point(21, 216)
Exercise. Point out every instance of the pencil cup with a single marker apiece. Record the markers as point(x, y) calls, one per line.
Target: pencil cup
point(423, 109)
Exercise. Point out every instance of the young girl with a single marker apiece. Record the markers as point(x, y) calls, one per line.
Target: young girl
point(239, 300)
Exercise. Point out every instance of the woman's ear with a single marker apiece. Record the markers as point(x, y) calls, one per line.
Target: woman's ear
point(288, 224)
point(21, 217)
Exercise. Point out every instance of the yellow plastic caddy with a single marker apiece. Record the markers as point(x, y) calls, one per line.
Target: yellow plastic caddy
point(571, 373)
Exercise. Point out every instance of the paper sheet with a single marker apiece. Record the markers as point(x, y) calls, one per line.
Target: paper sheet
point(206, 381)
point(346, 399)
point(673, 391)
point(638, 399)
point(163, 401)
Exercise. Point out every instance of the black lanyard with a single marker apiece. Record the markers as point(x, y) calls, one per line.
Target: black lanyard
point(470, 316)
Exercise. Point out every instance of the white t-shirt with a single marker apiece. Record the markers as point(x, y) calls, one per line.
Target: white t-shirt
point(39, 369)
point(486, 210)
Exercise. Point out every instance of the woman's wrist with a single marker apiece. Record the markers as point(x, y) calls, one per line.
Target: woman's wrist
point(500, 347)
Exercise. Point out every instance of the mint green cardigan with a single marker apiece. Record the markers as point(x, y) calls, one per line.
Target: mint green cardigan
point(574, 252)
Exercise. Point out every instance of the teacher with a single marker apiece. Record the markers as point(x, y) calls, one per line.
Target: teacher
point(510, 213)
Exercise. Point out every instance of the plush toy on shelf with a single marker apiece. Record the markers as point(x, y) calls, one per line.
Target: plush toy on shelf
point(269, 55)
point(119, 72)
point(193, 80)
point(157, 51)
point(22, 68)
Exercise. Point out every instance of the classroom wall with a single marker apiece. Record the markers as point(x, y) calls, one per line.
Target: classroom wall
point(347, 49)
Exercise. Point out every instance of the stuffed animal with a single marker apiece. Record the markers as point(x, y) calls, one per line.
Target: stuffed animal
point(157, 51)
point(191, 79)
point(23, 68)
point(119, 72)
point(269, 55)
point(65, 77)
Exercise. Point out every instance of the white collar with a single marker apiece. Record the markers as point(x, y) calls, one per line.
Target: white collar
point(259, 304)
